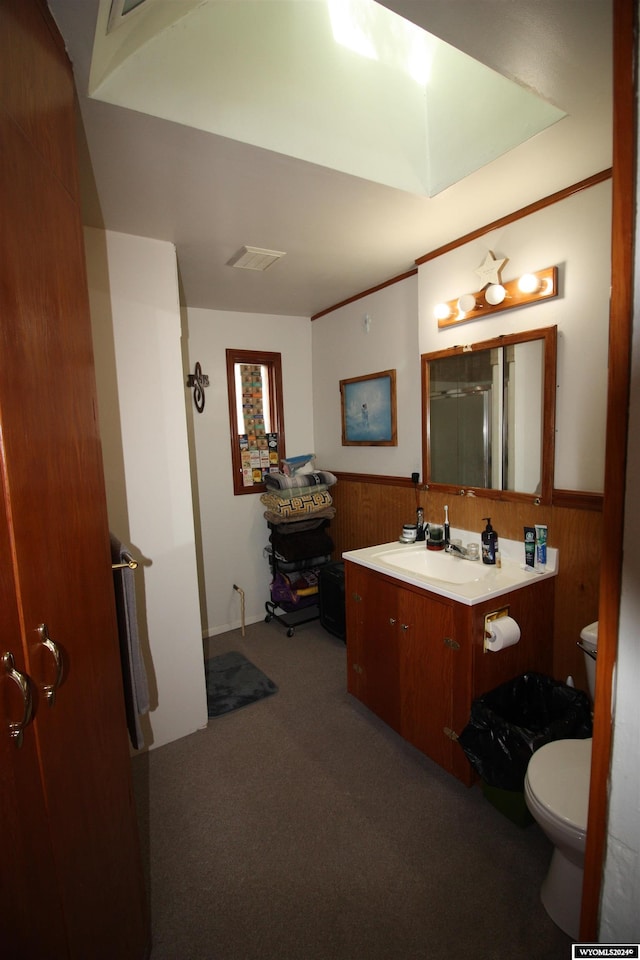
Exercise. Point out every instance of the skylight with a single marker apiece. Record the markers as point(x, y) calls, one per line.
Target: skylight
point(373, 31)
point(346, 84)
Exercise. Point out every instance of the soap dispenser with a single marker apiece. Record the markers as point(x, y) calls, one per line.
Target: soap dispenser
point(489, 542)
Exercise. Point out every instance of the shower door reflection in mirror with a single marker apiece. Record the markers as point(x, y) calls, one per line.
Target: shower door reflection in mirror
point(490, 414)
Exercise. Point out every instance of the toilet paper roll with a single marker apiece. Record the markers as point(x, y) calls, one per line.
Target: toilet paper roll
point(505, 632)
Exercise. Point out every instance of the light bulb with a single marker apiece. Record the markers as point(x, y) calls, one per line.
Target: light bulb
point(467, 303)
point(528, 283)
point(442, 311)
point(495, 294)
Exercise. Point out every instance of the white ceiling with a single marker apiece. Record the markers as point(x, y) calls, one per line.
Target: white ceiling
point(211, 194)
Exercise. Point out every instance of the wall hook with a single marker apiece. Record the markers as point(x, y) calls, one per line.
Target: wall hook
point(198, 381)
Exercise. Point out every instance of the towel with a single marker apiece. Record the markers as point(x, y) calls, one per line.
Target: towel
point(134, 674)
point(280, 481)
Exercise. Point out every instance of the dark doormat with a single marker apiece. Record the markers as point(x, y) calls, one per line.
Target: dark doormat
point(234, 682)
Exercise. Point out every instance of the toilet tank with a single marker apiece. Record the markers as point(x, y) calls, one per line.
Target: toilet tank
point(589, 646)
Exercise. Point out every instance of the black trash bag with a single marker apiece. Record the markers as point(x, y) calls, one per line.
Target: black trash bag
point(508, 724)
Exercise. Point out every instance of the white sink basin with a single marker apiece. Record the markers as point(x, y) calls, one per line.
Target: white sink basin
point(435, 564)
point(469, 581)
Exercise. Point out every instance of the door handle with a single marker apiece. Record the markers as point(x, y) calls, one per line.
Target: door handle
point(49, 689)
point(16, 729)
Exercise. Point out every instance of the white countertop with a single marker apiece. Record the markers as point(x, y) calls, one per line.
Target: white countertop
point(467, 581)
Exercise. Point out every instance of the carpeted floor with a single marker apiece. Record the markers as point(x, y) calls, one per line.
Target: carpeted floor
point(302, 828)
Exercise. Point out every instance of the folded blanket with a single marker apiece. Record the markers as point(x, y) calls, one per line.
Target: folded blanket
point(298, 506)
point(277, 519)
point(279, 481)
point(297, 491)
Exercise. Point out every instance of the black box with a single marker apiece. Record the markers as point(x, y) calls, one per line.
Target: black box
point(331, 599)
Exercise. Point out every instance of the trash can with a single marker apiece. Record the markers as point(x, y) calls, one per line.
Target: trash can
point(331, 599)
point(508, 724)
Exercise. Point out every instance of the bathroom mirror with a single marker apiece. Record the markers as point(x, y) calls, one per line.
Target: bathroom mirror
point(489, 416)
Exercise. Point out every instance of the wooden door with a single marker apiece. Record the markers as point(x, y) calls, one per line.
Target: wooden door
point(56, 532)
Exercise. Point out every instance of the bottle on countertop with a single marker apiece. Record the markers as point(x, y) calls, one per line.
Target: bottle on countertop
point(489, 543)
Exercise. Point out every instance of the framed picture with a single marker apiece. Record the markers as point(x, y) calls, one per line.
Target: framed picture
point(369, 410)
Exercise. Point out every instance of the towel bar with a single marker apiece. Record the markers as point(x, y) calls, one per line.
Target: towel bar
point(131, 563)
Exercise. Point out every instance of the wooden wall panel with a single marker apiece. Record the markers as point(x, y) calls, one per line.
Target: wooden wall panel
point(372, 510)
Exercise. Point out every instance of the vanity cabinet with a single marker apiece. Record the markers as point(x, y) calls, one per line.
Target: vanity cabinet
point(417, 660)
point(408, 661)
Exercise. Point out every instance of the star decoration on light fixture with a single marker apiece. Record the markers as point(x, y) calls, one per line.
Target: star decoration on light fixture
point(489, 270)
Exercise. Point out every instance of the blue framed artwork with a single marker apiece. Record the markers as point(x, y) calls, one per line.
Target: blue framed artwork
point(369, 410)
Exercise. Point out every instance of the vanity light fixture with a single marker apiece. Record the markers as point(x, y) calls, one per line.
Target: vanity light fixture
point(529, 288)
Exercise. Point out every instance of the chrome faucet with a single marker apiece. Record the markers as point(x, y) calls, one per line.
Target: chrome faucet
point(460, 551)
point(454, 548)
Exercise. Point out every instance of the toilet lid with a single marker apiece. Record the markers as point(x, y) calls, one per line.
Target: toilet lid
point(559, 775)
point(589, 636)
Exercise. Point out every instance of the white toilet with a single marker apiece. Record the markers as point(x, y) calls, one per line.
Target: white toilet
point(556, 791)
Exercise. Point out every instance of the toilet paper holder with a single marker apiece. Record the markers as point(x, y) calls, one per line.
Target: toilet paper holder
point(488, 620)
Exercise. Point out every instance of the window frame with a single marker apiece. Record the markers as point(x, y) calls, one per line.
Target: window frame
point(273, 362)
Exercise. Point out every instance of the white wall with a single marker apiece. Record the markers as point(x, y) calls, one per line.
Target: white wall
point(574, 235)
point(232, 531)
point(136, 328)
point(343, 349)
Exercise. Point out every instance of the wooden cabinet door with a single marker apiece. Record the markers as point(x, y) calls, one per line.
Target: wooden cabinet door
point(80, 813)
point(426, 679)
point(373, 643)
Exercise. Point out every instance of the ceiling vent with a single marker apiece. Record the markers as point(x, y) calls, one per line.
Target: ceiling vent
point(254, 258)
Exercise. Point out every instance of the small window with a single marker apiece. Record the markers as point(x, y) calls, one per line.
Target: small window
point(256, 417)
